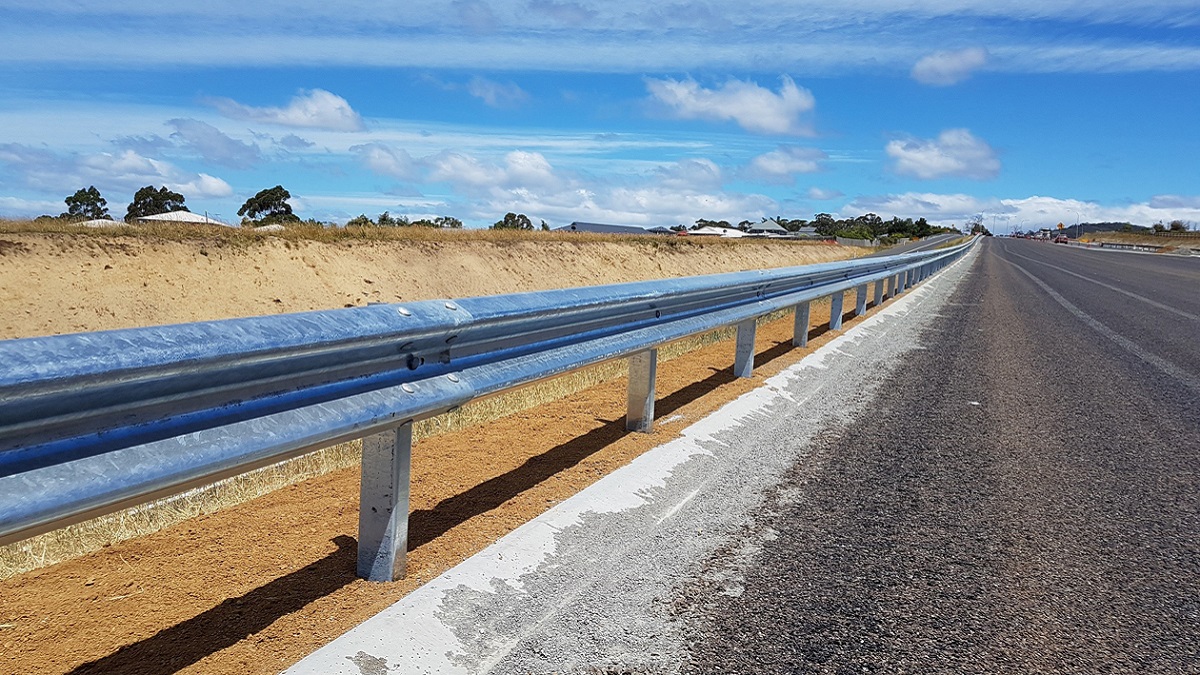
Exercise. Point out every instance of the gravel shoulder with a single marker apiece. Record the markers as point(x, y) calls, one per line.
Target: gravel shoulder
point(590, 586)
point(1024, 501)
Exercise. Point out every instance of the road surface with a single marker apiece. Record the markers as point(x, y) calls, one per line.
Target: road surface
point(1025, 498)
point(997, 472)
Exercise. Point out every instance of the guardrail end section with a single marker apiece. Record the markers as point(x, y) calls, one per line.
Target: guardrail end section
point(383, 504)
point(643, 371)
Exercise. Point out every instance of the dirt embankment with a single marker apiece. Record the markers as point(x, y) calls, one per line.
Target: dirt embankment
point(255, 587)
point(59, 283)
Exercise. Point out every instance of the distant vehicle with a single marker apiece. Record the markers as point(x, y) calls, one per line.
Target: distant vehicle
point(1061, 239)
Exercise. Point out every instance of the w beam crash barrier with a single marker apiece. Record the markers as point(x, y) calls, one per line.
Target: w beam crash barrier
point(92, 423)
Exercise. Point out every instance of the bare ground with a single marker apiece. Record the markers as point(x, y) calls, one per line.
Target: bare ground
point(253, 588)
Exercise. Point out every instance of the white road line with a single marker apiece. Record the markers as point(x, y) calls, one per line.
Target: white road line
point(1148, 301)
point(1166, 367)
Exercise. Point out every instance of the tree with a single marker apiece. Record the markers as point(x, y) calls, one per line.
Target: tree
point(269, 206)
point(361, 220)
point(545, 226)
point(86, 205)
point(448, 222)
point(825, 224)
point(514, 221)
point(1178, 226)
point(150, 202)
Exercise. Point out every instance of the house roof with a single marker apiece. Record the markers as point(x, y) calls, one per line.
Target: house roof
point(711, 231)
point(182, 217)
point(769, 226)
point(602, 228)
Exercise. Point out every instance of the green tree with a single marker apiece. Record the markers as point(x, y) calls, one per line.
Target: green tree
point(361, 220)
point(825, 224)
point(545, 226)
point(269, 206)
point(448, 222)
point(1178, 226)
point(86, 204)
point(388, 220)
point(513, 221)
point(150, 202)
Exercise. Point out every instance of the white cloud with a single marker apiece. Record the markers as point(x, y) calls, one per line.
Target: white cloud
point(476, 16)
point(691, 174)
point(520, 170)
point(123, 171)
point(315, 109)
point(497, 94)
point(821, 194)
point(1175, 202)
point(17, 206)
point(942, 69)
point(1026, 213)
point(954, 153)
point(754, 108)
point(386, 160)
point(783, 163)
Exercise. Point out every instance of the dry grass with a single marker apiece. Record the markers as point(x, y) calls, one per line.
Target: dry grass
point(234, 237)
point(82, 538)
point(1169, 243)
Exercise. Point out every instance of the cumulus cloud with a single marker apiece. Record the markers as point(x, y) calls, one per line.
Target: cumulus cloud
point(754, 108)
point(519, 170)
point(315, 109)
point(954, 153)
point(942, 69)
point(294, 142)
point(124, 171)
point(385, 160)
point(781, 165)
point(214, 145)
point(496, 94)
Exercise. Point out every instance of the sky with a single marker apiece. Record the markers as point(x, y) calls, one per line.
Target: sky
point(1025, 113)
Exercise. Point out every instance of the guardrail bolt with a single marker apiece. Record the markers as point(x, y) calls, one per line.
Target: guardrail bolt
point(408, 388)
point(451, 305)
point(452, 377)
point(403, 311)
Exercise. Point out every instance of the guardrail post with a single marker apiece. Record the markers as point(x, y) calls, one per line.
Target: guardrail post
point(743, 359)
point(878, 292)
point(835, 310)
point(891, 286)
point(800, 333)
point(383, 504)
point(643, 368)
point(860, 302)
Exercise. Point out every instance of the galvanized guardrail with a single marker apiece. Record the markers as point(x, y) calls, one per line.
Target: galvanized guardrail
point(94, 422)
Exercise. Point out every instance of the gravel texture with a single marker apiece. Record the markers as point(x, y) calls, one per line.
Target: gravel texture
point(1020, 497)
point(591, 587)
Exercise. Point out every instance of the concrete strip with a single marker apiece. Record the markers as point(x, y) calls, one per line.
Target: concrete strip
point(588, 583)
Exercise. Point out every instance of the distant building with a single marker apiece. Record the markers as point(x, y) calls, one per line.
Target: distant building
point(768, 227)
point(182, 217)
point(601, 228)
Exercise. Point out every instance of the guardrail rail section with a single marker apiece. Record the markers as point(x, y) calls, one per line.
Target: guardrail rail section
point(92, 423)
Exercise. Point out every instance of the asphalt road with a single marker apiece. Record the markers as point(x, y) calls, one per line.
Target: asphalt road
point(926, 244)
point(1022, 496)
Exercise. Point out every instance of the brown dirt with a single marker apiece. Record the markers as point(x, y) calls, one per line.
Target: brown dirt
point(254, 588)
point(53, 283)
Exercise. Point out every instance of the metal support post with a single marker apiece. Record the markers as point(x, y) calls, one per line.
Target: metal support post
point(800, 334)
point(879, 292)
point(643, 368)
point(835, 310)
point(860, 302)
point(743, 360)
point(891, 286)
point(383, 504)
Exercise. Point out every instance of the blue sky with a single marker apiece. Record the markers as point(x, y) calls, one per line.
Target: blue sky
point(1030, 113)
